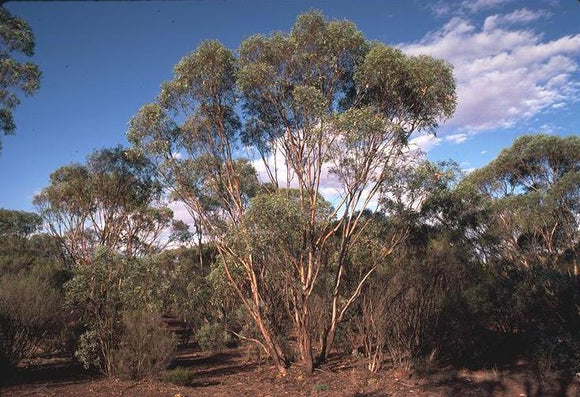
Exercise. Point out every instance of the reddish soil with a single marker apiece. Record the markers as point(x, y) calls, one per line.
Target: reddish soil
point(229, 374)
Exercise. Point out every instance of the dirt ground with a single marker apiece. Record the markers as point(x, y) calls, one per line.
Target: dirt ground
point(230, 374)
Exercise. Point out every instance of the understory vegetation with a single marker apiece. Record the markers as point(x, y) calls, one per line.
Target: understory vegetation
point(315, 229)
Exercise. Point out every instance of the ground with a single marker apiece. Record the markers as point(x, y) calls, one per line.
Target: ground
point(231, 374)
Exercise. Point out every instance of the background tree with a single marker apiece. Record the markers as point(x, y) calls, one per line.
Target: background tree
point(113, 201)
point(15, 77)
point(531, 192)
point(534, 190)
point(504, 239)
point(117, 301)
point(108, 216)
point(31, 281)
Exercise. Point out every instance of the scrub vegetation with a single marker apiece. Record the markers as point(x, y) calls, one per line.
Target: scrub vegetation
point(324, 255)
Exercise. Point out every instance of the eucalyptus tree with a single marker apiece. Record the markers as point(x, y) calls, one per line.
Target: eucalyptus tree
point(15, 228)
point(323, 98)
point(319, 104)
point(112, 201)
point(196, 159)
point(15, 77)
point(533, 190)
point(31, 278)
point(529, 240)
point(18, 223)
point(23, 247)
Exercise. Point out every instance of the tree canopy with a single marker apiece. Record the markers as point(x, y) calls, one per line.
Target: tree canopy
point(111, 202)
point(15, 77)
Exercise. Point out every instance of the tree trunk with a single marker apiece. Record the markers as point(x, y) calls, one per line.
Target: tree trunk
point(326, 343)
point(330, 331)
point(576, 271)
point(273, 348)
point(271, 345)
point(305, 339)
point(199, 233)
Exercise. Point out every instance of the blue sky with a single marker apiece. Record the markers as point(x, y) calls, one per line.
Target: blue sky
point(516, 63)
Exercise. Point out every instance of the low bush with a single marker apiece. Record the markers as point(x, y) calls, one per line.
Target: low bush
point(146, 346)
point(213, 337)
point(30, 310)
point(178, 376)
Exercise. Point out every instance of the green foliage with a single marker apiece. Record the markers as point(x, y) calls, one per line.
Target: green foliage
point(88, 350)
point(275, 222)
point(178, 376)
point(184, 282)
point(101, 295)
point(39, 255)
point(533, 189)
point(31, 280)
point(16, 77)
point(212, 337)
point(402, 307)
point(112, 201)
point(320, 387)
point(515, 224)
point(319, 95)
point(461, 269)
point(18, 223)
point(420, 90)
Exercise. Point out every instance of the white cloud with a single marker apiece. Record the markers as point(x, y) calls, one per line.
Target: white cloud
point(424, 143)
point(440, 8)
point(456, 138)
point(483, 152)
point(276, 165)
point(180, 212)
point(521, 16)
point(504, 74)
point(524, 15)
point(548, 129)
point(482, 5)
point(448, 7)
point(330, 185)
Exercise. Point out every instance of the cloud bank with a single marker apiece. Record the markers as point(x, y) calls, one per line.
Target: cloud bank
point(505, 71)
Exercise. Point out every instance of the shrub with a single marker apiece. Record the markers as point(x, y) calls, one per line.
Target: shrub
point(320, 387)
point(88, 352)
point(398, 313)
point(178, 376)
point(146, 346)
point(103, 295)
point(213, 337)
point(30, 310)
